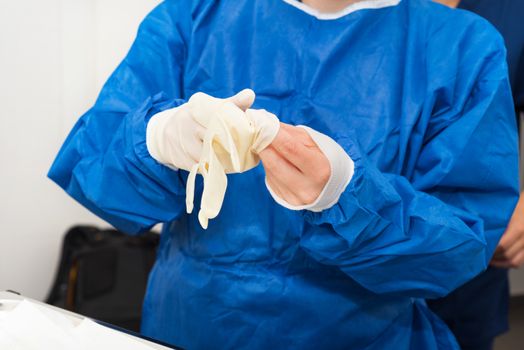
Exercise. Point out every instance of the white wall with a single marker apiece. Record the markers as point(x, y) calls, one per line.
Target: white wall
point(54, 57)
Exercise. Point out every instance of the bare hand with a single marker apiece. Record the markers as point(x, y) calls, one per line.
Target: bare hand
point(510, 251)
point(296, 169)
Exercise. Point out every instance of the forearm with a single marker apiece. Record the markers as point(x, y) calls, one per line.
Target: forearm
point(393, 239)
point(121, 183)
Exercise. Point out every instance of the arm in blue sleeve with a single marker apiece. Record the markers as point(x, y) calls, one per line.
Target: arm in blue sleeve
point(104, 163)
point(431, 228)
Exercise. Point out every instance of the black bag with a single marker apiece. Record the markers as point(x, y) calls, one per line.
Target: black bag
point(103, 274)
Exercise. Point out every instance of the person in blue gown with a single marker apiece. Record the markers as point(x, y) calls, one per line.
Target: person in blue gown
point(478, 311)
point(418, 97)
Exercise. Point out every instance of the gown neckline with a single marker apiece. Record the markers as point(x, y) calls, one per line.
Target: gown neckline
point(361, 5)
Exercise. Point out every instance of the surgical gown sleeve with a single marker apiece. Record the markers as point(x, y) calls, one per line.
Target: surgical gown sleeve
point(104, 163)
point(434, 225)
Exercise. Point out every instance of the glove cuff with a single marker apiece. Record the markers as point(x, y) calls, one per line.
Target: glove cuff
point(155, 137)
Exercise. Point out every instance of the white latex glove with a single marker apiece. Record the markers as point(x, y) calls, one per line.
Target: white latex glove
point(174, 137)
point(212, 137)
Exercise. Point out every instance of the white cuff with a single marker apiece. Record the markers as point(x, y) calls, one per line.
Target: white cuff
point(342, 170)
point(154, 138)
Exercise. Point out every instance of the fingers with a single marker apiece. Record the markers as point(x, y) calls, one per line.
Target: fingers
point(280, 173)
point(501, 264)
point(201, 101)
point(280, 189)
point(244, 99)
point(286, 180)
point(300, 132)
point(277, 165)
point(295, 145)
point(509, 253)
point(513, 233)
point(515, 263)
point(518, 261)
point(509, 238)
point(502, 248)
point(296, 166)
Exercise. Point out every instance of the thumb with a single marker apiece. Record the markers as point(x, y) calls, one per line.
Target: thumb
point(244, 99)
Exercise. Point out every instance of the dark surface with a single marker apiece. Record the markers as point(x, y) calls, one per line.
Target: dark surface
point(478, 311)
point(103, 275)
point(514, 339)
point(508, 17)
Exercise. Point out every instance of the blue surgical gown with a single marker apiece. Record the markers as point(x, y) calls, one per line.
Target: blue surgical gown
point(416, 94)
point(506, 16)
point(477, 312)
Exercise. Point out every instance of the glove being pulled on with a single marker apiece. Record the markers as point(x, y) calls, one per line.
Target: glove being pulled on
point(213, 137)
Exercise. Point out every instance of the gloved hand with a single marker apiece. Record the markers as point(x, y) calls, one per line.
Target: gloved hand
point(212, 137)
point(175, 136)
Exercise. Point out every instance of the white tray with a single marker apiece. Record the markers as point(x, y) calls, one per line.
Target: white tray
point(9, 300)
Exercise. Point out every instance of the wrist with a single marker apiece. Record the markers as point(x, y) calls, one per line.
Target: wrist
point(342, 170)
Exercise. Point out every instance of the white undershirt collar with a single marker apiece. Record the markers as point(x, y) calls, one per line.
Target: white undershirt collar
point(361, 5)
